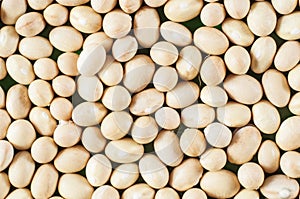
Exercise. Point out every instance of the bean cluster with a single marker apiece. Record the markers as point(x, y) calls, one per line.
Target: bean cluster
point(149, 99)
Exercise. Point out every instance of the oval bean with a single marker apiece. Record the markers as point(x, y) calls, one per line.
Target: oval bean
point(67, 134)
point(192, 142)
point(9, 40)
point(30, 24)
point(213, 159)
point(45, 68)
point(124, 175)
point(35, 47)
point(56, 14)
point(288, 27)
point(197, 116)
point(43, 150)
point(93, 140)
point(98, 170)
point(167, 148)
point(163, 84)
point(17, 102)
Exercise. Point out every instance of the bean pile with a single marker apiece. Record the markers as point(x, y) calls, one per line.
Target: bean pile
point(149, 99)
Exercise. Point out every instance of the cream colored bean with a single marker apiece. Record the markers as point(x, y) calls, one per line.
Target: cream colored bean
point(67, 63)
point(7, 16)
point(2, 98)
point(66, 38)
point(189, 62)
point(30, 24)
point(124, 175)
point(182, 95)
point(192, 142)
point(288, 27)
point(176, 33)
point(276, 88)
point(284, 8)
point(74, 186)
point(9, 40)
point(67, 134)
point(268, 156)
point(218, 135)
point(42, 120)
point(146, 26)
point(164, 53)
point(166, 192)
point(163, 84)
point(155, 3)
point(72, 3)
point(20, 69)
point(91, 60)
point(64, 86)
point(130, 6)
point(141, 190)
point(56, 14)
point(244, 144)
point(167, 148)
point(116, 98)
point(7, 154)
point(106, 192)
point(98, 170)
point(93, 140)
point(213, 70)
point(17, 102)
point(95, 112)
point(288, 134)
point(197, 116)
point(261, 18)
point(89, 88)
point(144, 130)
point(213, 159)
point(211, 40)
point(262, 54)
point(167, 118)
point(213, 183)
point(237, 60)
point(247, 194)
point(146, 102)
point(111, 73)
point(44, 181)
point(237, 9)
point(35, 47)
point(125, 150)
point(280, 186)
point(138, 73)
point(45, 68)
point(21, 134)
point(96, 39)
point(20, 193)
point(43, 150)
point(194, 193)
point(186, 175)
point(61, 109)
point(5, 122)
point(285, 60)
point(124, 48)
point(117, 24)
point(103, 6)
point(265, 117)
point(85, 19)
point(181, 11)
point(153, 171)
point(39, 5)
point(4, 184)
point(21, 169)
point(243, 88)
point(40, 93)
point(234, 114)
point(237, 32)
point(72, 159)
point(288, 164)
point(293, 79)
point(212, 14)
point(294, 104)
point(251, 175)
point(214, 96)
point(116, 125)
point(3, 71)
